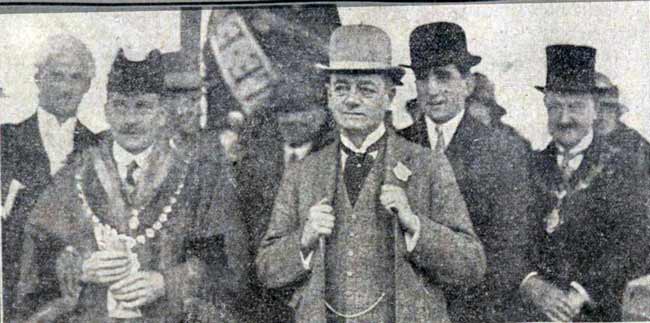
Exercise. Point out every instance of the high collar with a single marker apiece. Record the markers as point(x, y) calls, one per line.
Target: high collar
point(449, 128)
point(49, 120)
point(123, 158)
point(372, 138)
point(582, 145)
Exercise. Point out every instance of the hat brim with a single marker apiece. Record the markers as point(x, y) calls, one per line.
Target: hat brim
point(594, 90)
point(395, 72)
point(468, 60)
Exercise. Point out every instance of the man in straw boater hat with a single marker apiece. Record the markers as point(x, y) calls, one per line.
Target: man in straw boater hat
point(371, 227)
point(592, 232)
point(134, 230)
point(490, 165)
point(260, 68)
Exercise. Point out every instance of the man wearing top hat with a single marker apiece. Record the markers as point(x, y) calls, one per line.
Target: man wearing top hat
point(371, 227)
point(34, 150)
point(134, 230)
point(592, 232)
point(490, 165)
point(609, 124)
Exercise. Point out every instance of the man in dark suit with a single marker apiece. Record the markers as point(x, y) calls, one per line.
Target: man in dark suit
point(592, 232)
point(155, 230)
point(490, 165)
point(34, 150)
point(371, 227)
point(618, 134)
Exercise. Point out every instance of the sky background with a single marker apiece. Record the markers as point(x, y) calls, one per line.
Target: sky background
point(511, 38)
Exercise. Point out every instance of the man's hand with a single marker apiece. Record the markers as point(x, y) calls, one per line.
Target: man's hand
point(394, 199)
point(319, 223)
point(139, 289)
point(106, 267)
point(576, 300)
point(549, 299)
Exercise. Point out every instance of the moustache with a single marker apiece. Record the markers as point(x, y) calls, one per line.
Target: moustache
point(130, 130)
point(567, 126)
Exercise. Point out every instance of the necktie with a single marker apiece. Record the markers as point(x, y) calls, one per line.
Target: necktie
point(357, 167)
point(130, 180)
point(440, 140)
point(566, 167)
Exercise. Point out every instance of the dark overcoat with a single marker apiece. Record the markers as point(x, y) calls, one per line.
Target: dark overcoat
point(491, 168)
point(24, 160)
point(447, 252)
point(604, 238)
point(201, 250)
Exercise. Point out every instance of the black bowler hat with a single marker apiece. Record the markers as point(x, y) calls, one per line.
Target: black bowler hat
point(439, 44)
point(570, 69)
point(146, 76)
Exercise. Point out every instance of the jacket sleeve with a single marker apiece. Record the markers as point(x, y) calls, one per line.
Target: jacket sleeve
point(278, 260)
point(509, 192)
point(447, 250)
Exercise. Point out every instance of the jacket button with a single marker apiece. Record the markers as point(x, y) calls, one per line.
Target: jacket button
point(349, 273)
point(350, 253)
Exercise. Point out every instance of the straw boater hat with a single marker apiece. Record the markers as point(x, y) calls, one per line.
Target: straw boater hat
point(570, 69)
point(361, 48)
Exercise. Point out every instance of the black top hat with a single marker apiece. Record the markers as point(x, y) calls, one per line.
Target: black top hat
point(146, 76)
point(571, 69)
point(439, 44)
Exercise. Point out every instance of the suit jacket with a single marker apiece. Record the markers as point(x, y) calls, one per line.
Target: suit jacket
point(491, 168)
point(24, 160)
point(605, 236)
point(201, 250)
point(447, 252)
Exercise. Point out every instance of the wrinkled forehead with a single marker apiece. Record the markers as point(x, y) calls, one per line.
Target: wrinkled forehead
point(565, 98)
point(374, 79)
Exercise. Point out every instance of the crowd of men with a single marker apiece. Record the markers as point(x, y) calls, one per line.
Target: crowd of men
point(343, 218)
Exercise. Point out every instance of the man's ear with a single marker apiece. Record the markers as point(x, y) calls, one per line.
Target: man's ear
point(470, 84)
point(392, 91)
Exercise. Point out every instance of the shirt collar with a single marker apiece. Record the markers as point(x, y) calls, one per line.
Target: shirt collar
point(123, 158)
point(372, 138)
point(46, 119)
point(300, 151)
point(448, 128)
point(580, 147)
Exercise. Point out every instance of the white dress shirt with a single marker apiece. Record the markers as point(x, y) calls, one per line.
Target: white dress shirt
point(58, 138)
point(576, 152)
point(448, 129)
point(373, 137)
point(124, 158)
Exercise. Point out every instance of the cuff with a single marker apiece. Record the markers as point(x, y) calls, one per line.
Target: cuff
point(412, 238)
point(529, 276)
point(306, 261)
point(582, 291)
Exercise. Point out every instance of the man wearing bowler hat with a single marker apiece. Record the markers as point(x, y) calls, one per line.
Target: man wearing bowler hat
point(371, 227)
point(490, 165)
point(591, 232)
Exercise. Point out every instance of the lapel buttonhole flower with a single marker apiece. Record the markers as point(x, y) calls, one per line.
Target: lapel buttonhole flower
point(402, 172)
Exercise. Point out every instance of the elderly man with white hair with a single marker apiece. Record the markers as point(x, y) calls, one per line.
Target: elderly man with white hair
point(35, 149)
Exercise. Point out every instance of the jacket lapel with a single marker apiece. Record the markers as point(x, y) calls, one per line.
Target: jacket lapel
point(34, 150)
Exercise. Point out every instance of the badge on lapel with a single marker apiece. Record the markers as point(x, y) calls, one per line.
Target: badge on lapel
point(552, 221)
point(402, 172)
